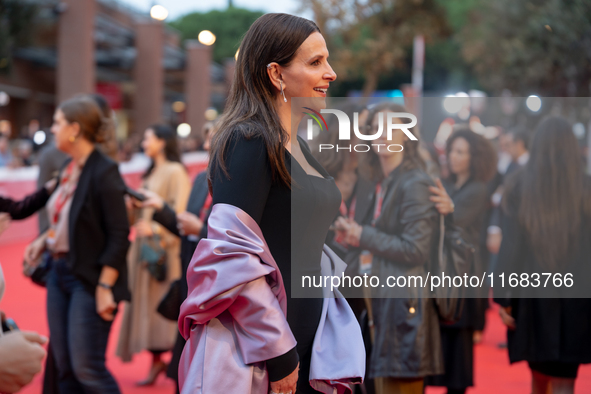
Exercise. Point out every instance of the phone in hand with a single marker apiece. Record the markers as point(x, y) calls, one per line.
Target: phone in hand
point(135, 194)
point(9, 325)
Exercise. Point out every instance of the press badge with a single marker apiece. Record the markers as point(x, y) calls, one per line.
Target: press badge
point(365, 259)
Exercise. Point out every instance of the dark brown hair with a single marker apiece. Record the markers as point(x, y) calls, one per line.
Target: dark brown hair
point(83, 110)
point(171, 146)
point(250, 109)
point(554, 193)
point(483, 158)
point(369, 163)
point(109, 147)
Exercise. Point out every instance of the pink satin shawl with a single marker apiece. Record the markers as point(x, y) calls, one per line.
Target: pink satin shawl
point(234, 318)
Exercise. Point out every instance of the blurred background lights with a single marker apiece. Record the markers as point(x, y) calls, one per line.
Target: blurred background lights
point(206, 37)
point(211, 114)
point(4, 99)
point(39, 137)
point(579, 130)
point(183, 130)
point(533, 103)
point(158, 12)
point(178, 106)
point(451, 104)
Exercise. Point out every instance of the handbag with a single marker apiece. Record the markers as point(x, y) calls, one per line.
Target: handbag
point(170, 306)
point(40, 272)
point(455, 257)
point(153, 256)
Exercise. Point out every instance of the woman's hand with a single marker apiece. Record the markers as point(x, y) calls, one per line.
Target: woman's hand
point(189, 224)
point(153, 200)
point(442, 200)
point(4, 221)
point(508, 320)
point(143, 228)
point(105, 303)
point(34, 250)
point(288, 384)
point(349, 229)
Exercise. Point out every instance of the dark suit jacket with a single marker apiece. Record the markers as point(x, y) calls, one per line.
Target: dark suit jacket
point(27, 206)
point(98, 225)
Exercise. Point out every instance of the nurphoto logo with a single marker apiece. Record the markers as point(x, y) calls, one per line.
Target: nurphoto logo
point(345, 129)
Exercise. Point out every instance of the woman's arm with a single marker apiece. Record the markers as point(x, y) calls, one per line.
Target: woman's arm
point(111, 197)
point(26, 207)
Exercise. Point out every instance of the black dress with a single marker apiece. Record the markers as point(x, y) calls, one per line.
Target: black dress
point(294, 224)
point(471, 203)
point(551, 334)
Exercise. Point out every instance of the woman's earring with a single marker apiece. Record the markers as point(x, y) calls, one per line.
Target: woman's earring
point(72, 138)
point(281, 84)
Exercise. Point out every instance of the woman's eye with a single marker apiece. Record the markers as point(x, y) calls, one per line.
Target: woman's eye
point(316, 62)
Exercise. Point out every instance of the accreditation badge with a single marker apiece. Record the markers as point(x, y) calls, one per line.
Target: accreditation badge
point(365, 259)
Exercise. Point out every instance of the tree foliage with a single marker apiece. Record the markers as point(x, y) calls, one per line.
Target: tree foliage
point(531, 46)
point(229, 26)
point(371, 38)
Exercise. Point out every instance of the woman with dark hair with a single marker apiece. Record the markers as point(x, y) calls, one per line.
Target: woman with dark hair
point(400, 235)
point(143, 327)
point(88, 240)
point(471, 162)
point(272, 207)
point(546, 229)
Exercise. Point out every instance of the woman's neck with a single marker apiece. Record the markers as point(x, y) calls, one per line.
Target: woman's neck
point(159, 159)
point(390, 163)
point(81, 152)
point(461, 179)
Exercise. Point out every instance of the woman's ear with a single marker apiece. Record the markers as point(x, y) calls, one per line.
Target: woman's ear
point(275, 75)
point(75, 129)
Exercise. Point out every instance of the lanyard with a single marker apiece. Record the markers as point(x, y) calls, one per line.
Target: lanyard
point(350, 213)
point(205, 208)
point(65, 194)
point(379, 201)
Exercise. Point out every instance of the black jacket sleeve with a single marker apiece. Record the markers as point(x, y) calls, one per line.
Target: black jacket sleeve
point(247, 187)
point(26, 207)
point(111, 197)
point(167, 218)
point(417, 218)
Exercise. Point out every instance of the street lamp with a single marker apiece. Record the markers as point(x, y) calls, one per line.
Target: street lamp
point(158, 12)
point(206, 37)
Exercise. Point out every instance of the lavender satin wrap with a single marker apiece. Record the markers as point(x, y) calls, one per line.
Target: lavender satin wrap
point(234, 318)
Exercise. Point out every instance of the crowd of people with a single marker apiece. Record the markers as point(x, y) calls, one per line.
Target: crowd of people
point(211, 268)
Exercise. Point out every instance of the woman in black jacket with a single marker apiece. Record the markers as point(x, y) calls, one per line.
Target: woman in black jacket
point(88, 240)
point(546, 229)
point(471, 162)
point(401, 235)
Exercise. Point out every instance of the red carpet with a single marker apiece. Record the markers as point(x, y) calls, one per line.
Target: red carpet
point(25, 303)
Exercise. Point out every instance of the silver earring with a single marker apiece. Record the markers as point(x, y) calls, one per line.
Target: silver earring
point(281, 84)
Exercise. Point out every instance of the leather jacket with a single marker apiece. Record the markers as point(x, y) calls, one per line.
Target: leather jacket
point(403, 239)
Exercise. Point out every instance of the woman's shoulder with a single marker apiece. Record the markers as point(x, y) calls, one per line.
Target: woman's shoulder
point(175, 168)
point(242, 149)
